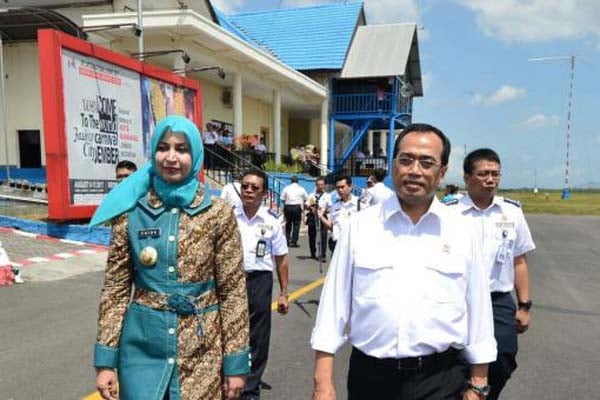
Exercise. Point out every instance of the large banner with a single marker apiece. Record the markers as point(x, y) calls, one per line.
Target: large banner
point(103, 124)
point(160, 99)
point(104, 112)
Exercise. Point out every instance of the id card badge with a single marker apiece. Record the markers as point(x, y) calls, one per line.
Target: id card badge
point(261, 248)
point(501, 255)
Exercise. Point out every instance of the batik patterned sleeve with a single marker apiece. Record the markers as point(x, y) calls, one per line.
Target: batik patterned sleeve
point(231, 289)
point(114, 297)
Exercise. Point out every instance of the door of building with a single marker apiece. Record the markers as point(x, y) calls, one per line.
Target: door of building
point(30, 151)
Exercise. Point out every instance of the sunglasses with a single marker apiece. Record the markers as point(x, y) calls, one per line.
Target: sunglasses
point(251, 186)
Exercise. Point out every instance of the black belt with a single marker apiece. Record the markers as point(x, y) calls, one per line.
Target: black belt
point(415, 364)
point(251, 274)
point(496, 295)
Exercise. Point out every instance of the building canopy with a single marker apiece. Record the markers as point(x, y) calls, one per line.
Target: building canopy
point(383, 51)
point(22, 23)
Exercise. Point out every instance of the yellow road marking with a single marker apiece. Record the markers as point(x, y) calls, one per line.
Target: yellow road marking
point(300, 292)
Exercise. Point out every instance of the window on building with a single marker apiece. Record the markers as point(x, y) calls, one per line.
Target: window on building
point(30, 149)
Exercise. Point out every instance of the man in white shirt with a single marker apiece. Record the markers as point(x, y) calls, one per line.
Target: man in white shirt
point(405, 288)
point(506, 240)
point(232, 192)
point(264, 243)
point(209, 139)
point(317, 204)
point(378, 191)
point(341, 209)
point(293, 196)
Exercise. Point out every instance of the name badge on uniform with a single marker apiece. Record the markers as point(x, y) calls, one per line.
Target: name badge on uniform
point(261, 248)
point(505, 225)
point(148, 233)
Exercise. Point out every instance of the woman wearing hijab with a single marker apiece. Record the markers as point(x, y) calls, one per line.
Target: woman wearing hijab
point(184, 334)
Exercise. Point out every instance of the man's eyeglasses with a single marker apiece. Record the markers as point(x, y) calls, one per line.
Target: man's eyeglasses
point(485, 174)
point(424, 163)
point(254, 188)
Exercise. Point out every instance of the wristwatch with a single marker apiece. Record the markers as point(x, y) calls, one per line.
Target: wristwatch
point(483, 390)
point(525, 305)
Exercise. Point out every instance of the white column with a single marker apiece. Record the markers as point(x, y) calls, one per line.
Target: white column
point(383, 141)
point(370, 142)
point(277, 124)
point(324, 135)
point(237, 105)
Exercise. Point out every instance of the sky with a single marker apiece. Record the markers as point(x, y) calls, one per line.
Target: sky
point(481, 89)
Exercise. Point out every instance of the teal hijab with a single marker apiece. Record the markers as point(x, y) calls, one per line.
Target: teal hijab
point(125, 195)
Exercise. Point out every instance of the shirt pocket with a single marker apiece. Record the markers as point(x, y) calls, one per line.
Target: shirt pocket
point(372, 281)
point(445, 281)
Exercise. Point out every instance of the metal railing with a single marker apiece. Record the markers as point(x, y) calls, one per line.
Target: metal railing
point(355, 166)
point(223, 167)
point(370, 103)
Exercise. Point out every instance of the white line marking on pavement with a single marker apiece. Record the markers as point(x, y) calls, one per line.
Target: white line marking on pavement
point(64, 255)
point(38, 259)
point(22, 233)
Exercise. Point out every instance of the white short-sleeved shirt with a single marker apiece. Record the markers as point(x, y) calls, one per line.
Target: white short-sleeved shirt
point(263, 226)
point(210, 137)
point(340, 213)
point(504, 235)
point(397, 289)
point(324, 200)
point(294, 195)
point(379, 193)
point(231, 194)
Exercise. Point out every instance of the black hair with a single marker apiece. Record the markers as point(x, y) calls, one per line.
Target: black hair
point(425, 128)
point(320, 178)
point(127, 165)
point(259, 173)
point(477, 155)
point(294, 179)
point(344, 177)
point(379, 174)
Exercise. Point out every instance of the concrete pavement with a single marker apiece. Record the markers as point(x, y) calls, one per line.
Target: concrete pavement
point(48, 327)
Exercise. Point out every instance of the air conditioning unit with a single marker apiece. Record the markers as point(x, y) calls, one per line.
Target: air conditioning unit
point(227, 97)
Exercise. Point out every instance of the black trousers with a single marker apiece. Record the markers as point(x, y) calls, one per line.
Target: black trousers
point(311, 221)
point(259, 286)
point(332, 244)
point(505, 332)
point(293, 218)
point(369, 379)
point(209, 159)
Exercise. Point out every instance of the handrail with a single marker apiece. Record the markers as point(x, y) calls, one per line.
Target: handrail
point(275, 185)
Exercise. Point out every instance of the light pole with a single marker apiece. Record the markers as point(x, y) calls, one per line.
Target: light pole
point(4, 108)
point(566, 193)
point(140, 27)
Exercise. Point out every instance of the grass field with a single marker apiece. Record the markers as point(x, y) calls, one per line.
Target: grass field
point(582, 202)
point(549, 202)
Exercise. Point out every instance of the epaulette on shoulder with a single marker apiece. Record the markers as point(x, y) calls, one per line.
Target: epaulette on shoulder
point(450, 202)
point(516, 203)
point(274, 213)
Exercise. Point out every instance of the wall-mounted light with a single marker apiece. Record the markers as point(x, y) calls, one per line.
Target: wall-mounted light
point(137, 31)
point(147, 54)
point(186, 70)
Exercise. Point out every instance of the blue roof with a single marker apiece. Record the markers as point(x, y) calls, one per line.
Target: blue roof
point(308, 38)
point(229, 26)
